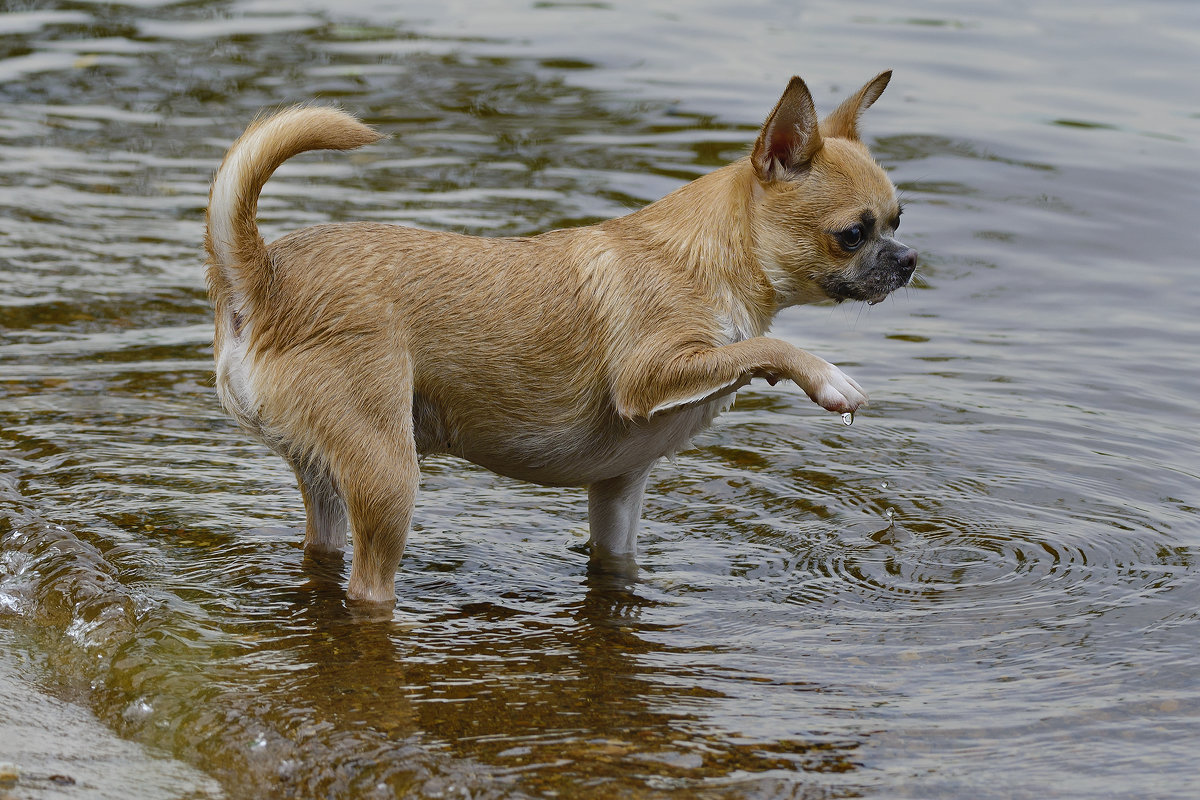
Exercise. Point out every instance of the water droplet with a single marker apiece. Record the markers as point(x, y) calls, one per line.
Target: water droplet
point(890, 513)
point(883, 485)
point(848, 418)
point(138, 710)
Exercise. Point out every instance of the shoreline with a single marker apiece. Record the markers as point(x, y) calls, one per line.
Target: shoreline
point(51, 749)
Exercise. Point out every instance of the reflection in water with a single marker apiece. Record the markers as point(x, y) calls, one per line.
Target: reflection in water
point(989, 580)
point(577, 690)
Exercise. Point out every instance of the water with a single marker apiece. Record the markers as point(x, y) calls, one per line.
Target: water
point(52, 749)
point(1023, 625)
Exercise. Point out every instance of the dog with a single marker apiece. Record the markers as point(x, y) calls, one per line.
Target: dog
point(576, 357)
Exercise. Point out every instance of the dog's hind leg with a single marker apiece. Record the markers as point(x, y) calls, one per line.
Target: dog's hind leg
point(373, 460)
point(614, 510)
point(325, 531)
point(380, 489)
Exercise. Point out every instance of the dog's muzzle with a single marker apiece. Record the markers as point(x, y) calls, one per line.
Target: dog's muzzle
point(891, 267)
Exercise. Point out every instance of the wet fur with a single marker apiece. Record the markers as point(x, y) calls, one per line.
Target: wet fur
point(578, 357)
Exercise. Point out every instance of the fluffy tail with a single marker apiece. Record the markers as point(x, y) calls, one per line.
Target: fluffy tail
point(239, 268)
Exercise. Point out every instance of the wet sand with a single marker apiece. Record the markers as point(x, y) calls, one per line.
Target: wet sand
point(52, 749)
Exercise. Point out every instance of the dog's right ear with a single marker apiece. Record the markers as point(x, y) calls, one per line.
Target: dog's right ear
point(844, 121)
point(789, 138)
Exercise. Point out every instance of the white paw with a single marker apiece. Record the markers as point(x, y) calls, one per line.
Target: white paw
point(837, 391)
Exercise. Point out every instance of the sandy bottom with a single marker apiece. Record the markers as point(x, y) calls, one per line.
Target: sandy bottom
point(51, 749)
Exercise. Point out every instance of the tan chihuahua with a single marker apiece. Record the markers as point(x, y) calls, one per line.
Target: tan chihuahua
point(574, 358)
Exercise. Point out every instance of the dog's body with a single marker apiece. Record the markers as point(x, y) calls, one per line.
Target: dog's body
point(578, 357)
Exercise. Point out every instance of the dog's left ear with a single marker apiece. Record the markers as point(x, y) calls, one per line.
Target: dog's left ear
point(843, 123)
point(789, 138)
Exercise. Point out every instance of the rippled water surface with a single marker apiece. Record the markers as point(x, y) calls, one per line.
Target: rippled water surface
point(987, 586)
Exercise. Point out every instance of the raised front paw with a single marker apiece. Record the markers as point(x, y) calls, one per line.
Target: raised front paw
point(834, 390)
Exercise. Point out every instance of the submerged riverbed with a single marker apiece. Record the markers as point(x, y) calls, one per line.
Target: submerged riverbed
point(987, 586)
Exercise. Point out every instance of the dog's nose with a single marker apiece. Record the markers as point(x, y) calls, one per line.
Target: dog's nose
point(907, 260)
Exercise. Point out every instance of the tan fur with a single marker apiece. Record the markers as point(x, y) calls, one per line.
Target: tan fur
point(577, 357)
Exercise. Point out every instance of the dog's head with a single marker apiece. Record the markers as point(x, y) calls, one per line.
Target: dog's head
point(825, 215)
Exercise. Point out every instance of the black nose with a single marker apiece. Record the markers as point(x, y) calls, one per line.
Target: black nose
point(907, 260)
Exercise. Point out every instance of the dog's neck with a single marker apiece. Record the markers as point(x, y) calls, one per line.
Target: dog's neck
point(705, 229)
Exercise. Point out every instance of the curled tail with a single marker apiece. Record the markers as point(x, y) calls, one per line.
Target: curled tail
point(239, 267)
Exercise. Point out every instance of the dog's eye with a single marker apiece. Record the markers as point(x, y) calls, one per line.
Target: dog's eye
point(851, 238)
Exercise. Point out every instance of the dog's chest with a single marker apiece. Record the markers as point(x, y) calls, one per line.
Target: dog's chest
point(736, 323)
point(666, 435)
point(587, 453)
point(594, 447)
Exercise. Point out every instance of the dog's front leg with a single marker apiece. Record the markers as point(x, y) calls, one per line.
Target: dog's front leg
point(614, 510)
point(655, 382)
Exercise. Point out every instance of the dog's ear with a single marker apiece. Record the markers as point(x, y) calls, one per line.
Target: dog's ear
point(789, 138)
point(843, 122)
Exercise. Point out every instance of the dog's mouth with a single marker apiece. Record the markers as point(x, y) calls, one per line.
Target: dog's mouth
point(871, 290)
point(877, 282)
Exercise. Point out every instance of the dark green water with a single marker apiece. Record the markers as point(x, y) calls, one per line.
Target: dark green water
point(1024, 624)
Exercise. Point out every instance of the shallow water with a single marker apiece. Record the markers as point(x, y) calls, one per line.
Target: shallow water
point(987, 586)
